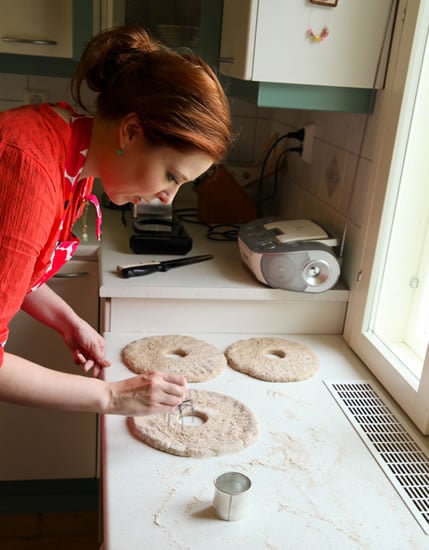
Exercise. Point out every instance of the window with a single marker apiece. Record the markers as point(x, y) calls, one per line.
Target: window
point(390, 328)
point(399, 311)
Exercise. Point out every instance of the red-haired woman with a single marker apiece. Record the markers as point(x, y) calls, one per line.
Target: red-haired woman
point(161, 120)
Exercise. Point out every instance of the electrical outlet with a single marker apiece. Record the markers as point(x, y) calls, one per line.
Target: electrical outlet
point(35, 97)
point(307, 144)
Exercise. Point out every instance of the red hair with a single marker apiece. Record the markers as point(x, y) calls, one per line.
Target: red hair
point(177, 96)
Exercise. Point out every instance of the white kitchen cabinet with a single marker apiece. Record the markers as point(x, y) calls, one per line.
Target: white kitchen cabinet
point(268, 41)
point(36, 27)
point(46, 444)
point(45, 37)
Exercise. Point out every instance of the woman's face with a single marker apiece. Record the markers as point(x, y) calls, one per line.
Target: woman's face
point(144, 172)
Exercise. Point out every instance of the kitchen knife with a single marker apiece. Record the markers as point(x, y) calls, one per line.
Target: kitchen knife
point(146, 268)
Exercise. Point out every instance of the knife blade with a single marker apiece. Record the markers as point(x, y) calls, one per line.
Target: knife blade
point(146, 268)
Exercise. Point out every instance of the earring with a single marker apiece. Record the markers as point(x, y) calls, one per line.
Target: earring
point(119, 152)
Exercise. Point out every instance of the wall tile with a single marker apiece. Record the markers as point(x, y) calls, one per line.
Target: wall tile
point(4, 104)
point(56, 88)
point(332, 165)
point(361, 192)
point(242, 108)
point(12, 86)
point(357, 128)
point(244, 143)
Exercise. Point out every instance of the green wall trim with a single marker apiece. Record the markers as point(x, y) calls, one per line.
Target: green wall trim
point(295, 96)
point(36, 65)
point(323, 98)
point(49, 495)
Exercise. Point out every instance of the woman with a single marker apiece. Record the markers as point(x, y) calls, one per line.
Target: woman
point(161, 120)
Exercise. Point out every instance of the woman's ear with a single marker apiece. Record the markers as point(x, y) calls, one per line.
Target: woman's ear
point(129, 129)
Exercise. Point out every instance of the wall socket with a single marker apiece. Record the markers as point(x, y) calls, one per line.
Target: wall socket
point(35, 97)
point(307, 144)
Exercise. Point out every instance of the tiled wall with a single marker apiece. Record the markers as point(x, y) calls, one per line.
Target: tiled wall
point(333, 189)
point(321, 190)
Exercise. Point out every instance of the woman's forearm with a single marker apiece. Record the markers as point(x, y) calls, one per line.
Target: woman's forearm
point(25, 383)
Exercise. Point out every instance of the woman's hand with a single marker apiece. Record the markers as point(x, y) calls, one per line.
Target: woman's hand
point(149, 393)
point(87, 347)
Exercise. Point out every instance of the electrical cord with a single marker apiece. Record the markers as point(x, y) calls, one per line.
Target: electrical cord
point(276, 177)
point(215, 231)
point(299, 135)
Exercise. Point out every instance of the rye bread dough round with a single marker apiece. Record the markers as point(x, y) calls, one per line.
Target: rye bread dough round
point(225, 425)
point(272, 359)
point(195, 359)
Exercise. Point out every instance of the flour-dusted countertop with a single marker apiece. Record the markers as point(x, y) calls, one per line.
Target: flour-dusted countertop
point(200, 292)
point(315, 484)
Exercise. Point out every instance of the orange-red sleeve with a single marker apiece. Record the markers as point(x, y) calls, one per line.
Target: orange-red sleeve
point(29, 202)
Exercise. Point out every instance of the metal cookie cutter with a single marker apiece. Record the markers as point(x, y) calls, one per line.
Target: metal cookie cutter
point(187, 403)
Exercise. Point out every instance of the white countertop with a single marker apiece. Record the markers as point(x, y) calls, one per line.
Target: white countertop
point(315, 484)
point(224, 277)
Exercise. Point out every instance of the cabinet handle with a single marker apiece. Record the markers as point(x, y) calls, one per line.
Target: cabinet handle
point(74, 275)
point(226, 60)
point(34, 42)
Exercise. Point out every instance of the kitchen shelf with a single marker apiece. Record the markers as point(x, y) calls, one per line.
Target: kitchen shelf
point(224, 277)
point(217, 295)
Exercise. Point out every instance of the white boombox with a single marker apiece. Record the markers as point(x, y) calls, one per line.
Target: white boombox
point(289, 254)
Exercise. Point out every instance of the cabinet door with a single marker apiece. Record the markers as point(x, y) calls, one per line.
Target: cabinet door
point(36, 27)
point(71, 23)
point(268, 41)
point(43, 444)
point(189, 24)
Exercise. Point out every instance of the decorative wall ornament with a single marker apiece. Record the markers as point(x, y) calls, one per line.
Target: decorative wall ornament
point(318, 37)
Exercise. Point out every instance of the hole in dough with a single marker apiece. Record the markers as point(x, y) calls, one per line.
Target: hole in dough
point(174, 354)
point(275, 354)
point(194, 419)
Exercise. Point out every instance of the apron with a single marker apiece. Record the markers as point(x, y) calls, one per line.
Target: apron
point(77, 195)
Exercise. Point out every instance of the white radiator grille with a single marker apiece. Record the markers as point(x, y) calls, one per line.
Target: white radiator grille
point(403, 461)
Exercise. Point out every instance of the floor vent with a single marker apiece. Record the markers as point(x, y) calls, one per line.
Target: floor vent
point(403, 461)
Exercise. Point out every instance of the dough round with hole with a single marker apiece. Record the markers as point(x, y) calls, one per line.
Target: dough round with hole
point(195, 359)
point(272, 359)
point(215, 424)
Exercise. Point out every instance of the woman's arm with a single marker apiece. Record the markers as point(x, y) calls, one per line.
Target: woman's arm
point(25, 383)
point(86, 345)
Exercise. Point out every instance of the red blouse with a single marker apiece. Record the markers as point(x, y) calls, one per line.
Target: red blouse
point(41, 196)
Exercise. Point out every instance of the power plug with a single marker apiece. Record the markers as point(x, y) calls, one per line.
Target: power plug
point(307, 143)
point(34, 97)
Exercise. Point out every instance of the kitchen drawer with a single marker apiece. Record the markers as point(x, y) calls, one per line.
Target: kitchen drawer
point(40, 443)
point(321, 314)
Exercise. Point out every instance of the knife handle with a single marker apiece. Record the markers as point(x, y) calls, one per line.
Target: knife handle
point(138, 270)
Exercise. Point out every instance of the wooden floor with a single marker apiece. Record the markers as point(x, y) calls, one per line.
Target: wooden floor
point(53, 531)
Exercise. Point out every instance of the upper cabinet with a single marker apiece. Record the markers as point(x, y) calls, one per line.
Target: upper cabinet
point(44, 36)
point(340, 47)
point(193, 24)
point(37, 28)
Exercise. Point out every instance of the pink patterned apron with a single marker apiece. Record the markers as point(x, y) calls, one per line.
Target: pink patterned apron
point(77, 194)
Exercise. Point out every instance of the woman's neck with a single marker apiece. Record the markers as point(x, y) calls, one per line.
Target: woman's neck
point(63, 113)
